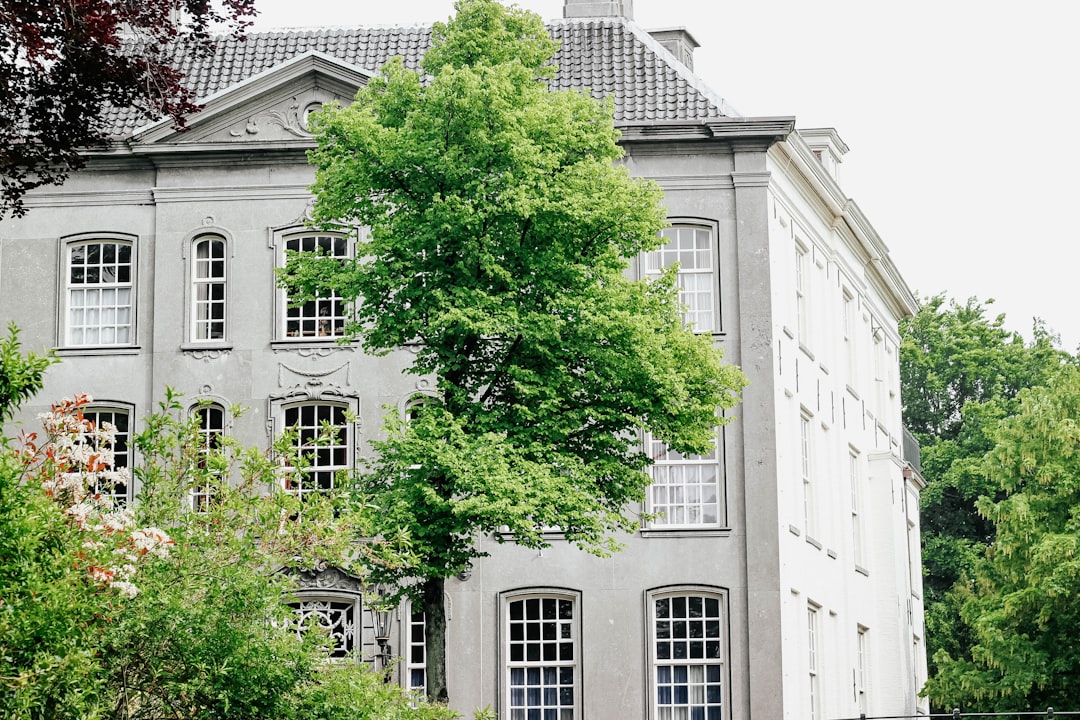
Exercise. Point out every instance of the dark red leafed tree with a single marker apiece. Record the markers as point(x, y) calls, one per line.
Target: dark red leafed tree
point(64, 62)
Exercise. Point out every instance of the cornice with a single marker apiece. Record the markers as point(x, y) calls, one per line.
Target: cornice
point(230, 192)
point(41, 199)
point(797, 156)
point(693, 182)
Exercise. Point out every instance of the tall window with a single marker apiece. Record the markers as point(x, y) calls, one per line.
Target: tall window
point(208, 288)
point(855, 478)
point(100, 293)
point(119, 419)
point(802, 300)
point(862, 656)
point(686, 488)
point(848, 322)
point(415, 653)
point(323, 443)
point(325, 316)
point(211, 419)
point(806, 461)
point(687, 656)
point(338, 617)
point(541, 657)
point(813, 637)
point(692, 249)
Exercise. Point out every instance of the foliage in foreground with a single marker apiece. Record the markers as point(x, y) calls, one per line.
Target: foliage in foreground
point(500, 230)
point(156, 611)
point(961, 373)
point(1021, 603)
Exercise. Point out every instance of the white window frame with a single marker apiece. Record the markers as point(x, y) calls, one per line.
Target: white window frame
point(862, 673)
point(806, 472)
point(326, 471)
point(208, 276)
point(681, 495)
point(858, 522)
point(813, 660)
point(850, 309)
point(698, 280)
point(199, 496)
point(803, 260)
point(123, 453)
point(318, 321)
point(414, 649)
point(679, 682)
point(122, 312)
point(536, 672)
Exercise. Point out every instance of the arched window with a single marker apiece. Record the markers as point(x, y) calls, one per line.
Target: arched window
point(120, 419)
point(542, 655)
point(211, 420)
point(692, 247)
point(208, 289)
point(325, 317)
point(99, 302)
point(323, 441)
point(338, 616)
point(688, 649)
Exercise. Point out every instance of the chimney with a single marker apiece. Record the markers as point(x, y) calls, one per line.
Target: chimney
point(599, 8)
point(679, 42)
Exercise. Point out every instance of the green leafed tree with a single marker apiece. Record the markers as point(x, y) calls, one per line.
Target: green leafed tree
point(1021, 603)
point(499, 228)
point(961, 372)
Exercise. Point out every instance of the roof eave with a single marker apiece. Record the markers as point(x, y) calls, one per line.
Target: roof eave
point(767, 129)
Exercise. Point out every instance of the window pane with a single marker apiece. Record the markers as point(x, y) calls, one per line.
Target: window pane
point(541, 657)
point(322, 441)
point(692, 685)
point(99, 296)
point(324, 317)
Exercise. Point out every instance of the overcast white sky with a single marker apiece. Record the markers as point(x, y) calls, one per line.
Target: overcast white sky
point(959, 115)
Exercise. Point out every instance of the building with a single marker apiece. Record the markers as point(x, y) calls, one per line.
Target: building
point(782, 579)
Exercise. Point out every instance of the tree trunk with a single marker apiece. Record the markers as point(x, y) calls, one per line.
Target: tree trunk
point(435, 639)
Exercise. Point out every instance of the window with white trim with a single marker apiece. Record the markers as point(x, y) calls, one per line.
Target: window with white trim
point(120, 419)
point(855, 477)
point(541, 666)
point(692, 248)
point(848, 328)
point(862, 657)
point(208, 288)
point(802, 292)
point(416, 653)
point(211, 424)
point(325, 317)
point(685, 491)
point(100, 293)
point(336, 616)
point(813, 660)
point(324, 444)
point(687, 655)
point(806, 470)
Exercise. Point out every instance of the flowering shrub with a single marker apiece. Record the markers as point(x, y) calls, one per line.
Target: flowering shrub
point(74, 464)
point(157, 609)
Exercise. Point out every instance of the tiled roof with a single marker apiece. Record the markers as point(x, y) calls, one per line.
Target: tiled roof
point(608, 56)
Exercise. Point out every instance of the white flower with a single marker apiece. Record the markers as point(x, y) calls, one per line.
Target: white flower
point(118, 521)
point(80, 513)
point(125, 589)
point(151, 540)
